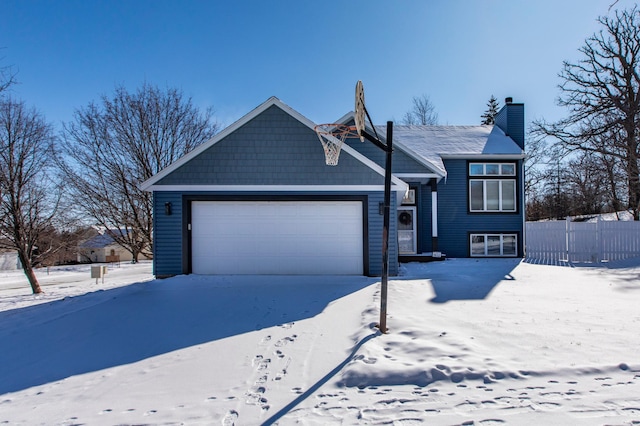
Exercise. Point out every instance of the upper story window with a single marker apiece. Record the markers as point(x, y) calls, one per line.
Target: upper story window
point(492, 187)
point(492, 169)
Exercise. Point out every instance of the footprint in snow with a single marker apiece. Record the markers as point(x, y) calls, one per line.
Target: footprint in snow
point(286, 340)
point(230, 418)
point(264, 364)
point(260, 362)
point(265, 340)
point(255, 396)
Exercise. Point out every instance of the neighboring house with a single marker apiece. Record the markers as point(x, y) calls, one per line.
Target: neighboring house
point(9, 260)
point(103, 249)
point(258, 198)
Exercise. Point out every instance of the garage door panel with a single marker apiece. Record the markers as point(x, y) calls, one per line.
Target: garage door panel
point(306, 237)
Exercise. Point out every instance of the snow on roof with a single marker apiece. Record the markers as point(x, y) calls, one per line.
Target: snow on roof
point(433, 143)
point(101, 240)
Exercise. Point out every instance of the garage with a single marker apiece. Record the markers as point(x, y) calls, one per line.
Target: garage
point(277, 237)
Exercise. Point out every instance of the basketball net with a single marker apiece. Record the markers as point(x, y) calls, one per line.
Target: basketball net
point(332, 136)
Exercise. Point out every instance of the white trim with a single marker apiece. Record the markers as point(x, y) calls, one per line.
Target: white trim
point(486, 246)
point(485, 199)
point(420, 159)
point(428, 164)
point(206, 145)
point(272, 188)
point(494, 157)
point(413, 231)
point(351, 115)
point(405, 176)
point(523, 208)
point(434, 214)
point(148, 185)
point(493, 163)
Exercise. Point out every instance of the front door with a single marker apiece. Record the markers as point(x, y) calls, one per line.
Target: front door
point(407, 235)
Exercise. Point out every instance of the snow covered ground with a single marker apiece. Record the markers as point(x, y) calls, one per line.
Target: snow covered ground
point(483, 342)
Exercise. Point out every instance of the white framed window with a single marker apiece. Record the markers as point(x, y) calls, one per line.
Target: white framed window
point(409, 197)
point(493, 245)
point(492, 169)
point(490, 189)
point(407, 235)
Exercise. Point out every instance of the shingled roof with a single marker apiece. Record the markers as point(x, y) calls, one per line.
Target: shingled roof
point(433, 143)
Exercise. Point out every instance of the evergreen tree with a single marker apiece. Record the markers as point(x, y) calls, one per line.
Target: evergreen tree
point(492, 110)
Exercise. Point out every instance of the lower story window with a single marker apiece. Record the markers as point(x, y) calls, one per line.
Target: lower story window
point(494, 245)
point(492, 195)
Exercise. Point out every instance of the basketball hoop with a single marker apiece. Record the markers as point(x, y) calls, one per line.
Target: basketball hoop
point(360, 110)
point(332, 136)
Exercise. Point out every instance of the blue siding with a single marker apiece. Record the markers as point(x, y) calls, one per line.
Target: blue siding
point(167, 235)
point(511, 120)
point(375, 236)
point(401, 162)
point(171, 243)
point(455, 222)
point(272, 149)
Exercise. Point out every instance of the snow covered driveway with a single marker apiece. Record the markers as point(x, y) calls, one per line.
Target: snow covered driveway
point(491, 341)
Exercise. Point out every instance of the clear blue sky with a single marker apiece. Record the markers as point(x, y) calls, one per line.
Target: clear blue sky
point(235, 54)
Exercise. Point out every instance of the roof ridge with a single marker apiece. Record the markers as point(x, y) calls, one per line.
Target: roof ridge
point(428, 126)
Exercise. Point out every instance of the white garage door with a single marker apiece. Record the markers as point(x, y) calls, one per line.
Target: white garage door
point(277, 237)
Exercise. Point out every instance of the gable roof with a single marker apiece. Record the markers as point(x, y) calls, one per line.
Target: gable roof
point(99, 241)
point(433, 143)
point(103, 239)
point(349, 119)
point(272, 101)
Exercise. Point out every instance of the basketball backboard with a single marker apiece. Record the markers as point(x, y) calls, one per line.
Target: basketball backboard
point(360, 109)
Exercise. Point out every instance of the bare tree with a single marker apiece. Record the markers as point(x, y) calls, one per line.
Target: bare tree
point(7, 77)
point(28, 195)
point(114, 146)
point(536, 164)
point(602, 95)
point(489, 116)
point(422, 112)
point(587, 185)
point(614, 178)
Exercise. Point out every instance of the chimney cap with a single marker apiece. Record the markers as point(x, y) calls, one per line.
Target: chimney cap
point(508, 100)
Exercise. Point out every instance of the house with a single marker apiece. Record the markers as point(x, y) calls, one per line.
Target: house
point(102, 248)
point(258, 198)
point(9, 260)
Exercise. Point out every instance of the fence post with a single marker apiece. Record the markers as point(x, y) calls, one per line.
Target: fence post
point(567, 237)
point(599, 239)
point(614, 240)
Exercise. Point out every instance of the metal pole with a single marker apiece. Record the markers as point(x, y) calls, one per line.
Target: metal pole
point(388, 149)
point(385, 229)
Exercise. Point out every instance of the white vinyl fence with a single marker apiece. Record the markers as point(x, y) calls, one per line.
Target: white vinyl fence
point(582, 242)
